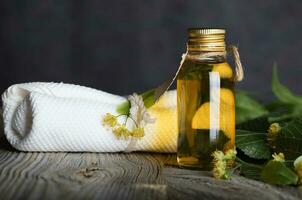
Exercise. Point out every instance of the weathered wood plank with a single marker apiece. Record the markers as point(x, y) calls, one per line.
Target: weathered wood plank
point(119, 176)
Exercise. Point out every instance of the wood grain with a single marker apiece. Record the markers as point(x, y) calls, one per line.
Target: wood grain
point(119, 176)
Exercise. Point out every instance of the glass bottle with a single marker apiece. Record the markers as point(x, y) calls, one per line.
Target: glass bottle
point(205, 100)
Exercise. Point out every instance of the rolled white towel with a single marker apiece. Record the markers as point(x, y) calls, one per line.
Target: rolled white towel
point(64, 117)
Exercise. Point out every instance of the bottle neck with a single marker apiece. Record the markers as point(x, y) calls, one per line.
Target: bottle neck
point(206, 56)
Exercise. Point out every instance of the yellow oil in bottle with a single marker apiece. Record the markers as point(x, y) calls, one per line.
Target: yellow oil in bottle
point(206, 112)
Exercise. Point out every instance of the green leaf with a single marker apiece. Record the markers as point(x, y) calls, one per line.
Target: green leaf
point(282, 92)
point(260, 124)
point(288, 102)
point(250, 170)
point(278, 173)
point(148, 98)
point(247, 108)
point(289, 139)
point(124, 108)
point(282, 118)
point(253, 144)
point(278, 107)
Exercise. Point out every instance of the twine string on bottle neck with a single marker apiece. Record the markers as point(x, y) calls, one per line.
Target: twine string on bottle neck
point(238, 66)
point(239, 72)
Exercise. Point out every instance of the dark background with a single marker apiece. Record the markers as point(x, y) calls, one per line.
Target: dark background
point(131, 46)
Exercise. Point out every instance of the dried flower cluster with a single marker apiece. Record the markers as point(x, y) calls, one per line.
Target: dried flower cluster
point(138, 114)
point(298, 168)
point(220, 163)
point(272, 134)
point(278, 157)
point(120, 130)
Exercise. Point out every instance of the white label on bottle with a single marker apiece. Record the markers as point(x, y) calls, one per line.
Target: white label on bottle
point(214, 105)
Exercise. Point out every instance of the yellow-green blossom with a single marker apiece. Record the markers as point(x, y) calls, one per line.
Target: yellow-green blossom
point(138, 114)
point(230, 154)
point(219, 170)
point(218, 155)
point(220, 161)
point(109, 120)
point(138, 132)
point(273, 131)
point(278, 157)
point(298, 168)
point(121, 131)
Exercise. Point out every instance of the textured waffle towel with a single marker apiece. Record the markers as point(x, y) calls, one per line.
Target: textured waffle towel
point(64, 117)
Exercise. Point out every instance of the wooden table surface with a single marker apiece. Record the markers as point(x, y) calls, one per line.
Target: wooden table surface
point(119, 176)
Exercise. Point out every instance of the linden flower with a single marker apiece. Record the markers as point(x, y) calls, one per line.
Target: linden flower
point(278, 157)
point(139, 115)
point(220, 163)
point(121, 131)
point(138, 132)
point(219, 170)
point(109, 120)
point(273, 131)
point(298, 167)
point(138, 111)
point(230, 154)
point(218, 155)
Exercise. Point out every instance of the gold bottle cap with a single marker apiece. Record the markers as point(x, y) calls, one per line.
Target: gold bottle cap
point(209, 39)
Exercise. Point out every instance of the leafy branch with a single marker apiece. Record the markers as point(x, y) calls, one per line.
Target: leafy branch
point(257, 138)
